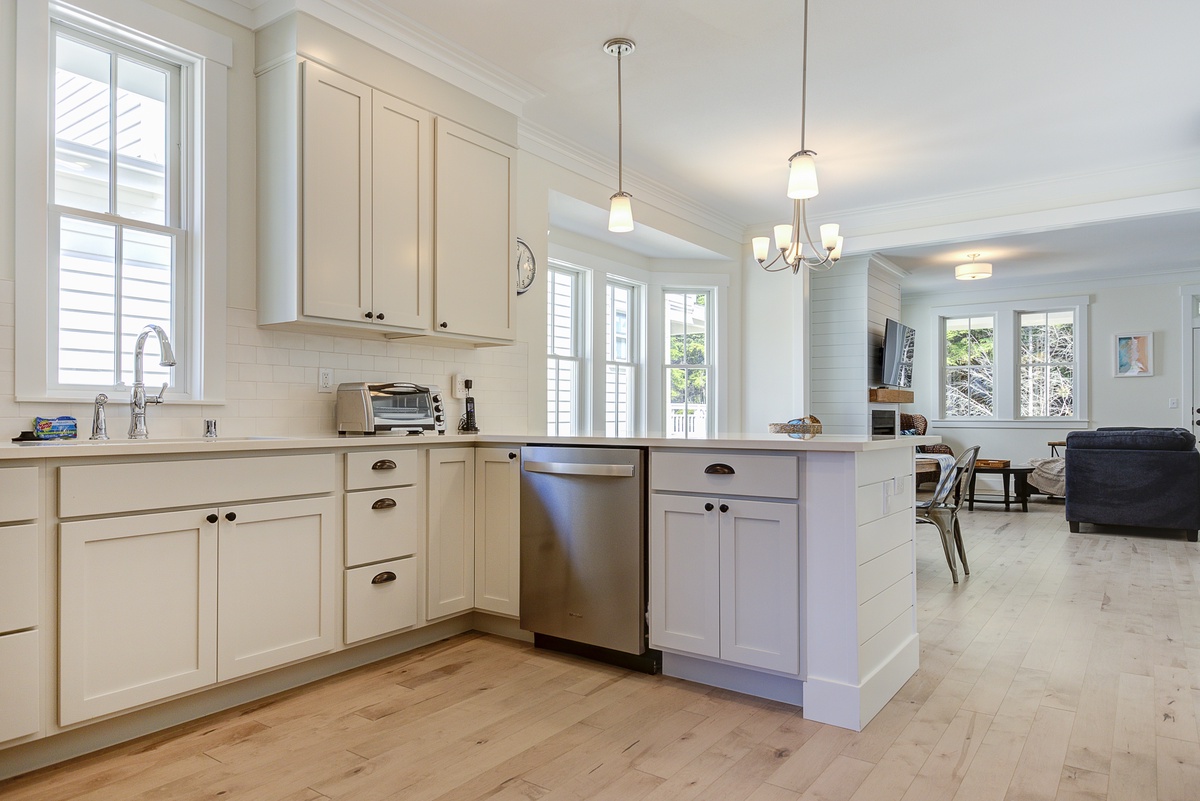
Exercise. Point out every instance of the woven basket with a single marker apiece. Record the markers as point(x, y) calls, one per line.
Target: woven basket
point(803, 428)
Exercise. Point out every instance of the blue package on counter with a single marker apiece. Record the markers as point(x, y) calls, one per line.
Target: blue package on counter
point(55, 427)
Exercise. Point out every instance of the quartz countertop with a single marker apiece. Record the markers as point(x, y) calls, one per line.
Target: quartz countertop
point(84, 448)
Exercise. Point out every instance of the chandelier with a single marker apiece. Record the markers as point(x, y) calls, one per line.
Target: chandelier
point(802, 185)
point(620, 212)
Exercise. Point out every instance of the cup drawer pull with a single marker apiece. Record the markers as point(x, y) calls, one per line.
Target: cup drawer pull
point(384, 464)
point(719, 469)
point(384, 503)
point(384, 577)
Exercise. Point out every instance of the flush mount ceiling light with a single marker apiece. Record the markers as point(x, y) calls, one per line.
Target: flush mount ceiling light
point(802, 185)
point(620, 211)
point(973, 270)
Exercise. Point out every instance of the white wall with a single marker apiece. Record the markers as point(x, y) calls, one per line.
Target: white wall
point(1140, 303)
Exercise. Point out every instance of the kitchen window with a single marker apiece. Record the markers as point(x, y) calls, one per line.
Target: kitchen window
point(116, 214)
point(689, 368)
point(121, 161)
point(564, 349)
point(620, 366)
point(1014, 361)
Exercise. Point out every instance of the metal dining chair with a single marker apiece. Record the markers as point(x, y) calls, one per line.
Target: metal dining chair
point(942, 509)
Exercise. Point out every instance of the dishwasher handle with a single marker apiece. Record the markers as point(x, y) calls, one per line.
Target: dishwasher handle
point(579, 469)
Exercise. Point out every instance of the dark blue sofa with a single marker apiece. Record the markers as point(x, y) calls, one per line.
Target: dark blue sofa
point(1147, 477)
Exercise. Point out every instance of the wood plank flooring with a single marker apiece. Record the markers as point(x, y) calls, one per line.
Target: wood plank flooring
point(1067, 666)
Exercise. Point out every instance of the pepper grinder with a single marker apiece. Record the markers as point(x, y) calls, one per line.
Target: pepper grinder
point(99, 425)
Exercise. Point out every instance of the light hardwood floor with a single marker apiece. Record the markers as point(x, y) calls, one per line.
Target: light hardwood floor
point(1067, 666)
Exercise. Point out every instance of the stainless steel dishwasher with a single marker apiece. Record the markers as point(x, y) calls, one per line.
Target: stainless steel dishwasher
point(583, 552)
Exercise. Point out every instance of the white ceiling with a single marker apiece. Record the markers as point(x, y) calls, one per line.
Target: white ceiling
point(1009, 128)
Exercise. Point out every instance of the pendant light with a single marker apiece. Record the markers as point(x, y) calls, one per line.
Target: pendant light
point(802, 185)
point(973, 270)
point(620, 211)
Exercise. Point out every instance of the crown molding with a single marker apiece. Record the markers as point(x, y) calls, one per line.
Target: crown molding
point(376, 24)
point(544, 143)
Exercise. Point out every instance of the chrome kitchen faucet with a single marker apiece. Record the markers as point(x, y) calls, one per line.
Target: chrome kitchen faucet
point(137, 398)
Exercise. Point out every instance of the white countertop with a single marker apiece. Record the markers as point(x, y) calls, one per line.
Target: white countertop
point(83, 448)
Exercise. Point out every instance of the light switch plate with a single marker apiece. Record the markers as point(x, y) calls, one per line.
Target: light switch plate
point(325, 379)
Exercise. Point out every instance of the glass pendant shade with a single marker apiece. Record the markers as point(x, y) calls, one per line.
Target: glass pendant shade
point(836, 253)
point(802, 177)
point(762, 247)
point(829, 236)
point(783, 236)
point(620, 213)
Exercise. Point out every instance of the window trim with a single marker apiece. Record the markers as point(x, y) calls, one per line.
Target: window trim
point(1007, 363)
point(207, 56)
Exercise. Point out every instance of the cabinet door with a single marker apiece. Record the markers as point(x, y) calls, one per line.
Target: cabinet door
point(497, 530)
point(685, 576)
point(451, 580)
point(137, 611)
point(474, 244)
point(401, 213)
point(20, 685)
point(277, 564)
point(760, 585)
point(336, 195)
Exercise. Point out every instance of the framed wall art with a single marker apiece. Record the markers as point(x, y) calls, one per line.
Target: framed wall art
point(1133, 354)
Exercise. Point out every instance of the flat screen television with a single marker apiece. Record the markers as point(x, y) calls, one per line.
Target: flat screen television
point(899, 346)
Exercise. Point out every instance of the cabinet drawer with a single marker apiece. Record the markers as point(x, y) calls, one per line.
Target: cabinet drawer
point(381, 598)
point(382, 524)
point(18, 577)
point(19, 489)
point(97, 489)
point(390, 468)
point(19, 691)
point(754, 475)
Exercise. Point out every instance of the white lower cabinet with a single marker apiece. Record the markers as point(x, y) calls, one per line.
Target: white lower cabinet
point(725, 579)
point(137, 610)
point(275, 587)
point(19, 685)
point(154, 605)
point(450, 584)
point(498, 530)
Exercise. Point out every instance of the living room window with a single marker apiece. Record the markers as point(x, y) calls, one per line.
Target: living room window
point(1047, 364)
point(969, 345)
point(1014, 362)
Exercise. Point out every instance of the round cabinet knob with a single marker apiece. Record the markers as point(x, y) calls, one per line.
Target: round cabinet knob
point(369, 315)
point(443, 324)
point(512, 455)
point(379, 316)
point(230, 516)
point(708, 507)
point(212, 518)
point(724, 508)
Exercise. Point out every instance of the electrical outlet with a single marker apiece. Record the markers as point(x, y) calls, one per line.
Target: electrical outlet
point(1172, 403)
point(325, 379)
point(460, 385)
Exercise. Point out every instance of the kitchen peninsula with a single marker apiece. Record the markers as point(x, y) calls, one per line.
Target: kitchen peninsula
point(801, 588)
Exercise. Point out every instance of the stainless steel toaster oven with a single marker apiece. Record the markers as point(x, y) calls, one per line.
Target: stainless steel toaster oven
point(392, 407)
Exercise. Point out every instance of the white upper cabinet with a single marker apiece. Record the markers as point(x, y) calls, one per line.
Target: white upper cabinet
point(365, 224)
point(474, 243)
